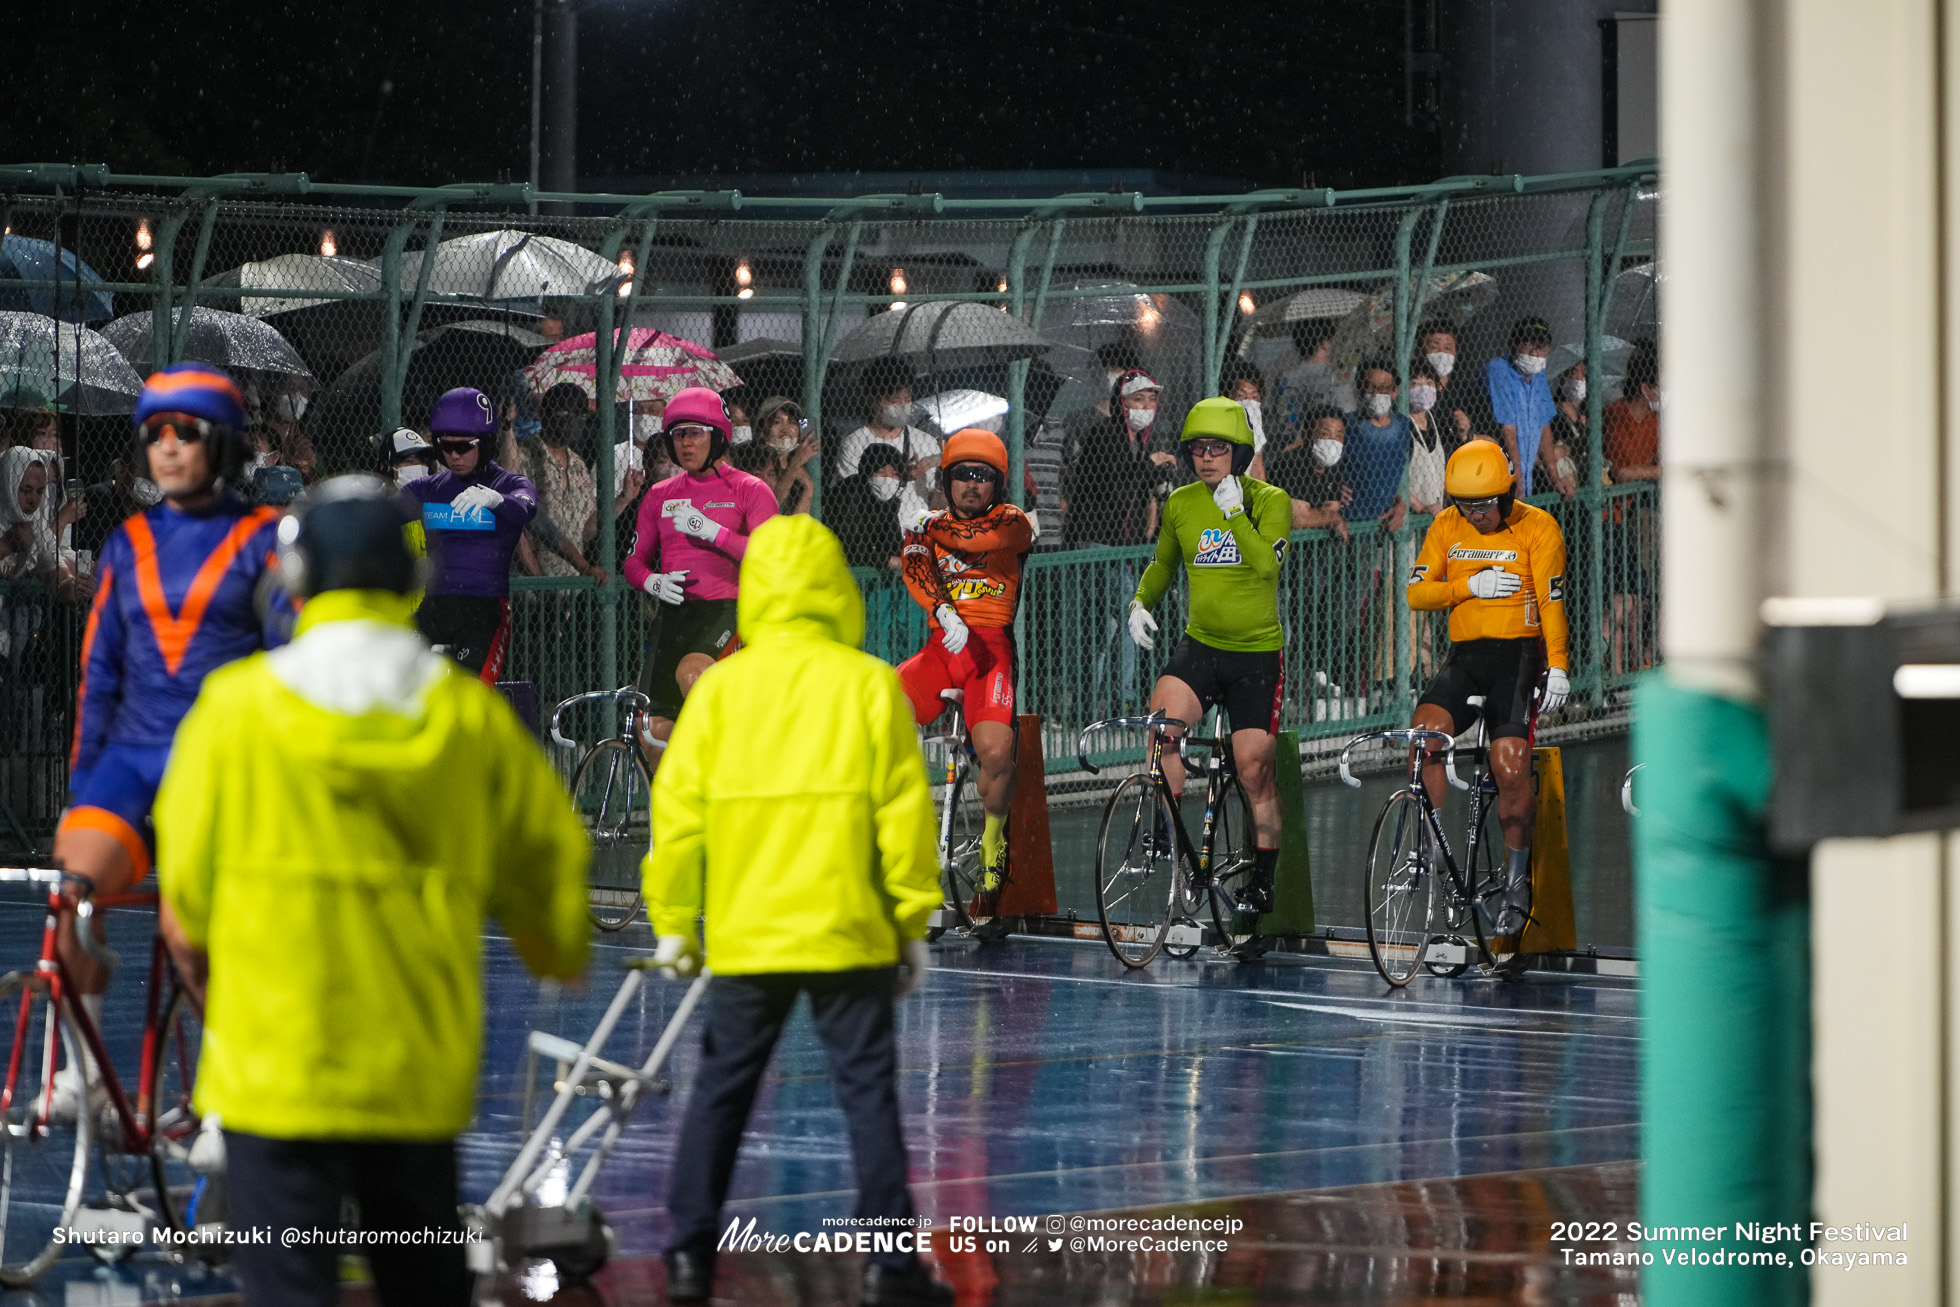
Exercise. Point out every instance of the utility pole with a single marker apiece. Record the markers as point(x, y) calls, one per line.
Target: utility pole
point(559, 136)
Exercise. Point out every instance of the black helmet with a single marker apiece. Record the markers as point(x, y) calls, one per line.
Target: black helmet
point(346, 534)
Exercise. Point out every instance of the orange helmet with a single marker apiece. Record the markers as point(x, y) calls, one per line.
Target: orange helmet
point(975, 445)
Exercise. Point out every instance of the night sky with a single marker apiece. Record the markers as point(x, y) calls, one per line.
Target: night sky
point(1266, 90)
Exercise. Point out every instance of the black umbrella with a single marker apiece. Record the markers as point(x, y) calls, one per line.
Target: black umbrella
point(480, 353)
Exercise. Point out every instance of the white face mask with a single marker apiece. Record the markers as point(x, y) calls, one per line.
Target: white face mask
point(1575, 391)
point(1530, 364)
point(1252, 415)
point(291, 407)
point(782, 444)
point(1328, 452)
point(742, 436)
point(1654, 404)
point(1139, 418)
point(1422, 398)
point(408, 472)
point(146, 492)
point(884, 488)
point(1379, 405)
point(895, 415)
point(1443, 363)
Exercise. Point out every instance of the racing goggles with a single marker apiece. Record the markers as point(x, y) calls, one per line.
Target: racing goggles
point(690, 430)
point(186, 428)
point(1470, 506)
point(457, 444)
point(973, 472)
point(1209, 448)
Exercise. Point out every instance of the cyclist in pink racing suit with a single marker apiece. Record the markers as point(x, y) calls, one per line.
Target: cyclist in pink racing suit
point(687, 551)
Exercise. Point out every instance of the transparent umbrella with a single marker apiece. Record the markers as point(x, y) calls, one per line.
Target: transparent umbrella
point(1123, 326)
point(1367, 330)
point(44, 363)
point(1635, 310)
point(298, 273)
point(939, 336)
point(230, 340)
point(510, 265)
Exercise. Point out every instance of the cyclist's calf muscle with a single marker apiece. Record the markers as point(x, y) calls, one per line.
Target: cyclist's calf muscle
point(994, 743)
point(102, 859)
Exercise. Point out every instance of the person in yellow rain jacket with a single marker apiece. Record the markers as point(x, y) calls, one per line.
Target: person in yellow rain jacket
point(334, 822)
point(1498, 567)
point(791, 814)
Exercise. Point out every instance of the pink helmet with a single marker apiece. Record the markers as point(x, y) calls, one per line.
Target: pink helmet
point(701, 405)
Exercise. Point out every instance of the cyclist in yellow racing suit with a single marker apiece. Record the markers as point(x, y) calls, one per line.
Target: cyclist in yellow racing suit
point(1498, 566)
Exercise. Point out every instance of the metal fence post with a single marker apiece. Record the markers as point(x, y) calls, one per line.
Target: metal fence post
point(1214, 247)
point(1227, 312)
point(180, 330)
point(816, 352)
point(812, 347)
point(1405, 331)
point(610, 347)
point(1589, 495)
point(162, 323)
point(1017, 371)
point(394, 360)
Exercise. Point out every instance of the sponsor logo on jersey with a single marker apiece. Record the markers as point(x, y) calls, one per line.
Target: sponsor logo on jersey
point(1279, 550)
point(673, 506)
point(1555, 589)
point(967, 581)
point(715, 504)
point(1483, 555)
point(1217, 547)
point(448, 517)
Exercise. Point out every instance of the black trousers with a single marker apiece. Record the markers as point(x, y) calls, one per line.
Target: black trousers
point(300, 1184)
point(853, 1011)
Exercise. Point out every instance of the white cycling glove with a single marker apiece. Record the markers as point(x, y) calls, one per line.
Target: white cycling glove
point(677, 957)
point(477, 497)
point(912, 968)
point(952, 630)
point(665, 586)
point(916, 519)
point(1495, 583)
point(691, 521)
point(1557, 687)
point(1229, 495)
point(1141, 626)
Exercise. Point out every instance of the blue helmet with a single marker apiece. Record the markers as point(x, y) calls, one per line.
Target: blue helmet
point(197, 389)
point(463, 412)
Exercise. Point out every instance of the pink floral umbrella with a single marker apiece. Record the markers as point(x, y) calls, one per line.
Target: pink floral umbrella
point(657, 366)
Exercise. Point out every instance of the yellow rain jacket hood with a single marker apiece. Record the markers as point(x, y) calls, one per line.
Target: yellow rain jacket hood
point(791, 808)
point(336, 819)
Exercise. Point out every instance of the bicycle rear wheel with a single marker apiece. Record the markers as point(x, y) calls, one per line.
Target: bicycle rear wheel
point(613, 794)
point(1234, 864)
point(43, 1163)
point(173, 1121)
point(1138, 878)
point(1401, 890)
point(974, 903)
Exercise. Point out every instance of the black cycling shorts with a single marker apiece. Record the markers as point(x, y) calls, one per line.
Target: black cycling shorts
point(703, 626)
point(1248, 683)
point(1504, 672)
point(472, 629)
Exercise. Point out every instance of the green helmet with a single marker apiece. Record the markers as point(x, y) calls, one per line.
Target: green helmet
point(1221, 419)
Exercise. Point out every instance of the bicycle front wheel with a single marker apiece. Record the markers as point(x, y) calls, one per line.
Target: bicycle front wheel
point(43, 1162)
point(1401, 890)
point(1137, 872)
point(613, 794)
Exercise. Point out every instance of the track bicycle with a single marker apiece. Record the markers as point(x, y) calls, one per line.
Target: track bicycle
point(613, 792)
point(1424, 909)
point(972, 906)
point(1153, 884)
point(142, 1143)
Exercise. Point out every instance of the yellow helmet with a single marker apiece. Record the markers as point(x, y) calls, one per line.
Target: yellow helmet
point(1479, 470)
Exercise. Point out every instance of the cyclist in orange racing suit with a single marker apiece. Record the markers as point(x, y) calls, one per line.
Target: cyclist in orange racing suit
point(963, 566)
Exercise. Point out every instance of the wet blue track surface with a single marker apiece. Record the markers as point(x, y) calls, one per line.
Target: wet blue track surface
point(1039, 1077)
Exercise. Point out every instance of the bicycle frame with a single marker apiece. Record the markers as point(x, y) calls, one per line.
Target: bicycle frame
point(137, 1136)
point(1219, 769)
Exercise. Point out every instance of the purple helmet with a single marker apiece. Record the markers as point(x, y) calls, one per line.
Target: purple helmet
point(463, 412)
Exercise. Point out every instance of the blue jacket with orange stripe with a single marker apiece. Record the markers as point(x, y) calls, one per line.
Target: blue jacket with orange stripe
point(174, 600)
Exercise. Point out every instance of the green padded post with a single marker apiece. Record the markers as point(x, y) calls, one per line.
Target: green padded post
point(1293, 879)
point(1724, 930)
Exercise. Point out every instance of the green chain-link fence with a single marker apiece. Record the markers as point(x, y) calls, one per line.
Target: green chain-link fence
point(345, 310)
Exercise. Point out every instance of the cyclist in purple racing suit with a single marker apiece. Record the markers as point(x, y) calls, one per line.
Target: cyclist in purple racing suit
point(473, 512)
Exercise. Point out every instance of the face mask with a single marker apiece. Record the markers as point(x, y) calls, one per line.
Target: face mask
point(1530, 364)
point(1443, 363)
point(895, 415)
point(1575, 391)
point(884, 488)
point(1252, 416)
point(1139, 418)
point(1422, 398)
point(782, 444)
point(742, 436)
point(1379, 405)
point(408, 472)
point(1328, 452)
point(146, 492)
point(1654, 404)
point(291, 407)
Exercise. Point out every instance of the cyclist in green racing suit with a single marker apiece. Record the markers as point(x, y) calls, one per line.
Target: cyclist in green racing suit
point(1230, 532)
